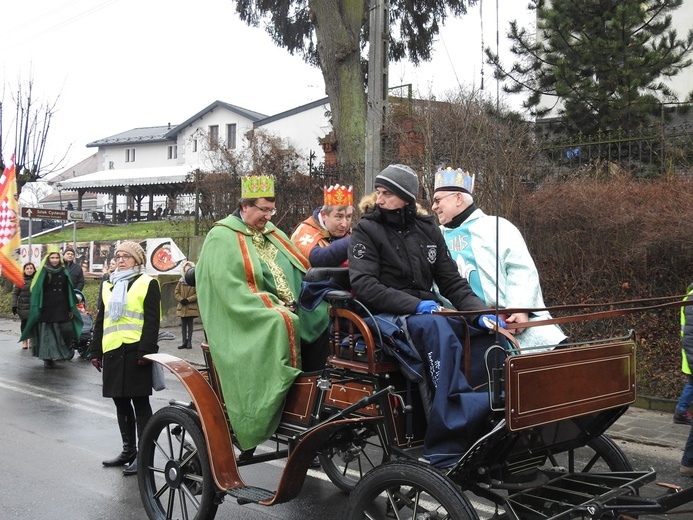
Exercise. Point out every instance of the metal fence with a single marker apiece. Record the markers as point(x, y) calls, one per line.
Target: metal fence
point(647, 152)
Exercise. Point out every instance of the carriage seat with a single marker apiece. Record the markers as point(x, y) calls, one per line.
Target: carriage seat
point(353, 343)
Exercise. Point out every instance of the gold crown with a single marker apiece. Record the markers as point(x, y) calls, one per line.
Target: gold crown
point(257, 186)
point(339, 195)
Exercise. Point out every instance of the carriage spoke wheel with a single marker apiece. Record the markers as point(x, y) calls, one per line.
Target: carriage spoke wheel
point(407, 490)
point(599, 455)
point(347, 463)
point(175, 478)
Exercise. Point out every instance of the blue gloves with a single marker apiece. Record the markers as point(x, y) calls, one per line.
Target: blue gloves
point(487, 321)
point(427, 307)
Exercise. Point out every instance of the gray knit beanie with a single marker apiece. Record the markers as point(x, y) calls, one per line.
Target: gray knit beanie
point(400, 180)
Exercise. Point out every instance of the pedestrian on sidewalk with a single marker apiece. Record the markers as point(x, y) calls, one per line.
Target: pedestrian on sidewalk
point(54, 321)
point(187, 306)
point(127, 329)
point(681, 414)
point(21, 299)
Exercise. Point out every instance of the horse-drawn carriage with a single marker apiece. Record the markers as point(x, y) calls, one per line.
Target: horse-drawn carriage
point(543, 453)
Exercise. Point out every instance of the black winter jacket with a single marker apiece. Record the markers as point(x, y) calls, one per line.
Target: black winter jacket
point(76, 274)
point(394, 258)
point(21, 297)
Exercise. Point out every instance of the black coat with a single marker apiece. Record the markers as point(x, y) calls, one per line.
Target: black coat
point(122, 375)
point(56, 298)
point(394, 258)
point(21, 297)
point(76, 274)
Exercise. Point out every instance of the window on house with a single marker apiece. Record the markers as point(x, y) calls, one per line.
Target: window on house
point(194, 145)
point(173, 151)
point(231, 136)
point(129, 155)
point(213, 137)
point(111, 165)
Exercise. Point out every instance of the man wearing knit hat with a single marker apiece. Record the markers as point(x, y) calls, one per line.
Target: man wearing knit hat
point(75, 270)
point(395, 257)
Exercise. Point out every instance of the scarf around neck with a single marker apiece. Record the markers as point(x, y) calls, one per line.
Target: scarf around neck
point(118, 301)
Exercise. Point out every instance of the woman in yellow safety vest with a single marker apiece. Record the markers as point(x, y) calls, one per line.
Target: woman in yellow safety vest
point(126, 329)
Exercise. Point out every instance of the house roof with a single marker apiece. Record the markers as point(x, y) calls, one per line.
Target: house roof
point(155, 181)
point(148, 134)
point(293, 111)
point(249, 114)
point(85, 166)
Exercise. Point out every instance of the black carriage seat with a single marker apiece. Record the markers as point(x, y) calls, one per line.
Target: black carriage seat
point(352, 343)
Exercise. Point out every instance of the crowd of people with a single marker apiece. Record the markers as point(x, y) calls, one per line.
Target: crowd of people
point(403, 264)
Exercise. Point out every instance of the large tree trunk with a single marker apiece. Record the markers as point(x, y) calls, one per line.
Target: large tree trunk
point(337, 27)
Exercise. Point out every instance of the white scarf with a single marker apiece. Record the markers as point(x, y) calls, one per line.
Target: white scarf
point(120, 280)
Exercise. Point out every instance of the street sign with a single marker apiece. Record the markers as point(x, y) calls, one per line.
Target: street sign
point(53, 214)
point(76, 215)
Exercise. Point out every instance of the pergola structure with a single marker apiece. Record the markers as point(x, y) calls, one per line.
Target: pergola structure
point(134, 184)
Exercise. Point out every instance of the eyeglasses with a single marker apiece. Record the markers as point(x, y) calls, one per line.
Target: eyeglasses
point(266, 211)
point(437, 201)
point(123, 257)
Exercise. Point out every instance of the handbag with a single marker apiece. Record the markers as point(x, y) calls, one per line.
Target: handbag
point(158, 381)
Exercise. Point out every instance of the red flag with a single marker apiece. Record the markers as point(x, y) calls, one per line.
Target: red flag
point(10, 239)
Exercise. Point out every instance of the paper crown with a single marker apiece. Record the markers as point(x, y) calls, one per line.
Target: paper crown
point(257, 186)
point(339, 195)
point(454, 180)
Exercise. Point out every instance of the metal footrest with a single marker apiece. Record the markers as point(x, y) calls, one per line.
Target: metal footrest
point(250, 494)
point(576, 495)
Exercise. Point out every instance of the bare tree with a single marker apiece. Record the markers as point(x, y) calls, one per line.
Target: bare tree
point(266, 154)
point(28, 134)
point(465, 129)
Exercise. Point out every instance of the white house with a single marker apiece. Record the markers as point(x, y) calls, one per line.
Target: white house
point(144, 167)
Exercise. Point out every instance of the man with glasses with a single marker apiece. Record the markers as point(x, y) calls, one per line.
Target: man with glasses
point(248, 280)
point(470, 235)
point(323, 238)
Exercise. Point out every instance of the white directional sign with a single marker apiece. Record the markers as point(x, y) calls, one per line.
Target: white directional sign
point(76, 215)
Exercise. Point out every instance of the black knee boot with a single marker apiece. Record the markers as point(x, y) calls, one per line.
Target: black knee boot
point(127, 432)
point(142, 421)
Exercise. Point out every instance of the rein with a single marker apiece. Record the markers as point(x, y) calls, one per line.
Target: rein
point(611, 313)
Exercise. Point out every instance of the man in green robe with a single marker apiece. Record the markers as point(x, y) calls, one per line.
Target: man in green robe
point(248, 281)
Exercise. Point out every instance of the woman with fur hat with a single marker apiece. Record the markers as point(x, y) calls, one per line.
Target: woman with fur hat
point(54, 321)
point(187, 306)
point(127, 329)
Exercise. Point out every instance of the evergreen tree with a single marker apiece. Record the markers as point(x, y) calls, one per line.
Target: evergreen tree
point(332, 34)
point(600, 63)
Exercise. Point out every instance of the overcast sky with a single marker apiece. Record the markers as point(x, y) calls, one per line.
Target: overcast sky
point(122, 64)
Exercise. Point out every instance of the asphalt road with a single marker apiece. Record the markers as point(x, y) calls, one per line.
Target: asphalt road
point(57, 428)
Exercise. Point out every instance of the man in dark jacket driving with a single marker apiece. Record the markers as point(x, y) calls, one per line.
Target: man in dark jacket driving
point(395, 257)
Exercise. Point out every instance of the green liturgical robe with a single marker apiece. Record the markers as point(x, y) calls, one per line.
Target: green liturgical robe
point(243, 278)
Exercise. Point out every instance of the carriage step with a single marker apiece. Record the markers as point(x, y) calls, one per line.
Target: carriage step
point(250, 495)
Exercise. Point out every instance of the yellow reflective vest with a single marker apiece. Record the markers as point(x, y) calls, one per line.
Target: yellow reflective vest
point(128, 329)
point(686, 336)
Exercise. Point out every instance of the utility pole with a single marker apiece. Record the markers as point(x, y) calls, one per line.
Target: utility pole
point(378, 59)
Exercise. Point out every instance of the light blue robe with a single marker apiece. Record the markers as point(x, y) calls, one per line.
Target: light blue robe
point(473, 247)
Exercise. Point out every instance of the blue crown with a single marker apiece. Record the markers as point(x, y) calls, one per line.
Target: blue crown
point(459, 179)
